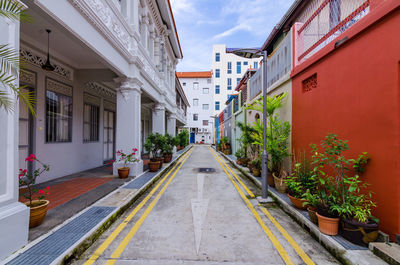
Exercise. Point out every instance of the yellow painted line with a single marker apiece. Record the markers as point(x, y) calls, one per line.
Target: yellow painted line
point(121, 247)
point(282, 252)
point(291, 241)
point(238, 179)
point(100, 250)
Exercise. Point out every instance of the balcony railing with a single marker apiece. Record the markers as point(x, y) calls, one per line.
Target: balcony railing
point(324, 20)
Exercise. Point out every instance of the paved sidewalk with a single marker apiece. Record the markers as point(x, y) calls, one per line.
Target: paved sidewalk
point(71, 235)
point(201, 219)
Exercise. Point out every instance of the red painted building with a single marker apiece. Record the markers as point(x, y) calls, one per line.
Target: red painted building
point(349, 84)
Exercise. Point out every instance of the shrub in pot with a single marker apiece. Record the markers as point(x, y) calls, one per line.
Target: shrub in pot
point(38, 205)
point(280, 184)
point(123, 172)
point(183, 138)
point(168, 144)
point(311, 203)
point(302, 179)
point(256, 166)
point(342, 192)
point(153, 145)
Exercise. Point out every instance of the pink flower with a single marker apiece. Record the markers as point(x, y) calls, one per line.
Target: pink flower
point(31, 158)
point(134, 149)
point(118, 152)
point(47, 188)
point(22, 172)
point(41, 192)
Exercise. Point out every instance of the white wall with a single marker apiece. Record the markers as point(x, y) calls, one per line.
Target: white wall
point(70, 157)
point(222, 65)
point(191, 93)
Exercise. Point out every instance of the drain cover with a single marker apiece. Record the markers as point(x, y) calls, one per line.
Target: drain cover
point(206, 169)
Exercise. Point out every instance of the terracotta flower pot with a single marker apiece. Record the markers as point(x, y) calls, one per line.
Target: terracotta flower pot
point(270, 179)
point(239, 161)
point(280, 184)
point(154, 166)
point(245, 162)
point(123, 172)
point(256, 172)
point(312, 213)
point(328, 226)
point(167, 158)
point(38, 211)
point(160, 161)
point(298, 203)
point(359, 233)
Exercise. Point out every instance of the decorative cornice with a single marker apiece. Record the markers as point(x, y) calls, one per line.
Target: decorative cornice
point(159, 106)
point(98, 89)
point(100, 14)
point(38, 59)
point(27, 77)
point(128, 84)
point(58, 87)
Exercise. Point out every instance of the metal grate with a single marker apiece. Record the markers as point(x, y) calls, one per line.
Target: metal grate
point(206, 169)
point(50, 248)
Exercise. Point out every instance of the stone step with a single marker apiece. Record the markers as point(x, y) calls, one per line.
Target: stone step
point(389, 252)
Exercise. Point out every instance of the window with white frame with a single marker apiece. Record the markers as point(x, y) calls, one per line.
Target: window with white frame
point(195, 102)
point(195, 86)
point(217, 73)
point(58, 117)
point(239, 67)
point(205, 106)
point(229, 68)
point(217, 57)
point(229, 81)
point(195, 117)
point(206, 90)
point(90, 123)
point(205, 122)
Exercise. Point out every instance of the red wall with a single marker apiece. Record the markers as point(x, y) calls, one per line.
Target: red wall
point(357, 97)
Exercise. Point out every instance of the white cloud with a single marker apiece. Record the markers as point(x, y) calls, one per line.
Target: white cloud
point(181, 6)
point(231, 31)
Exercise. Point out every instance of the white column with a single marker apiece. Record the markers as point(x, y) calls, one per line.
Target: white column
point(171, 124)
point(129, 121)
point(159, 118)
point(14, 216)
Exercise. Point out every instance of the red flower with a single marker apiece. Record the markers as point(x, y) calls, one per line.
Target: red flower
point(22, 172)
point(47, 188)
point(119, 152)
point(31, 158)
point(134, 149)
point(41, 192)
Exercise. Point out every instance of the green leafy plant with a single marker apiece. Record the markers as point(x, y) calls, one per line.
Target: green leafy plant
point(154, 144)
point(27, 180)
point(341, 192)
point(168, 144)
point(257, 163)
point(183, 137)
point(278, 133)
point(11, 63)
point(360, 163)
point(127, 157)
point(240, 153)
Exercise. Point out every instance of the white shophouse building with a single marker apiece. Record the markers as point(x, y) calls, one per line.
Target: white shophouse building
point(227, 70)
point(198, 88)
point(113, 84)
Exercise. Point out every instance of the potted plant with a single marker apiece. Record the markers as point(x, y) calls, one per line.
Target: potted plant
point(311, 203)
point(123, 172)
point(302, 179)
point(167, 146)
point(295, 190)
point(153, 145)
point(239, 154)
point(183, 137)
point(256, 166)
point(38, 207)
point(341, 194)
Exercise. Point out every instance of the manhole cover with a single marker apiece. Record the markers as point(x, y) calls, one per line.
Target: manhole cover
point(206, 169)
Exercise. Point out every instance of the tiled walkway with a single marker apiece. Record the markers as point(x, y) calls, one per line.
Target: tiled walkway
point(70, 189)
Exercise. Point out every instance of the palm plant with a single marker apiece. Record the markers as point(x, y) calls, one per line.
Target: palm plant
point(11, 63)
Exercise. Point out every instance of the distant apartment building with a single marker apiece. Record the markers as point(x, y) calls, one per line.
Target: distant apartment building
point(228, 70)
point(198, 87)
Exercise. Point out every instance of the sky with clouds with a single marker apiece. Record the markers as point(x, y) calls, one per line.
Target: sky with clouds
point(236, 23)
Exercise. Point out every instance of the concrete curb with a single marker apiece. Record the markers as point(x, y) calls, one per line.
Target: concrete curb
point(79, 247)
point(350, 257)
